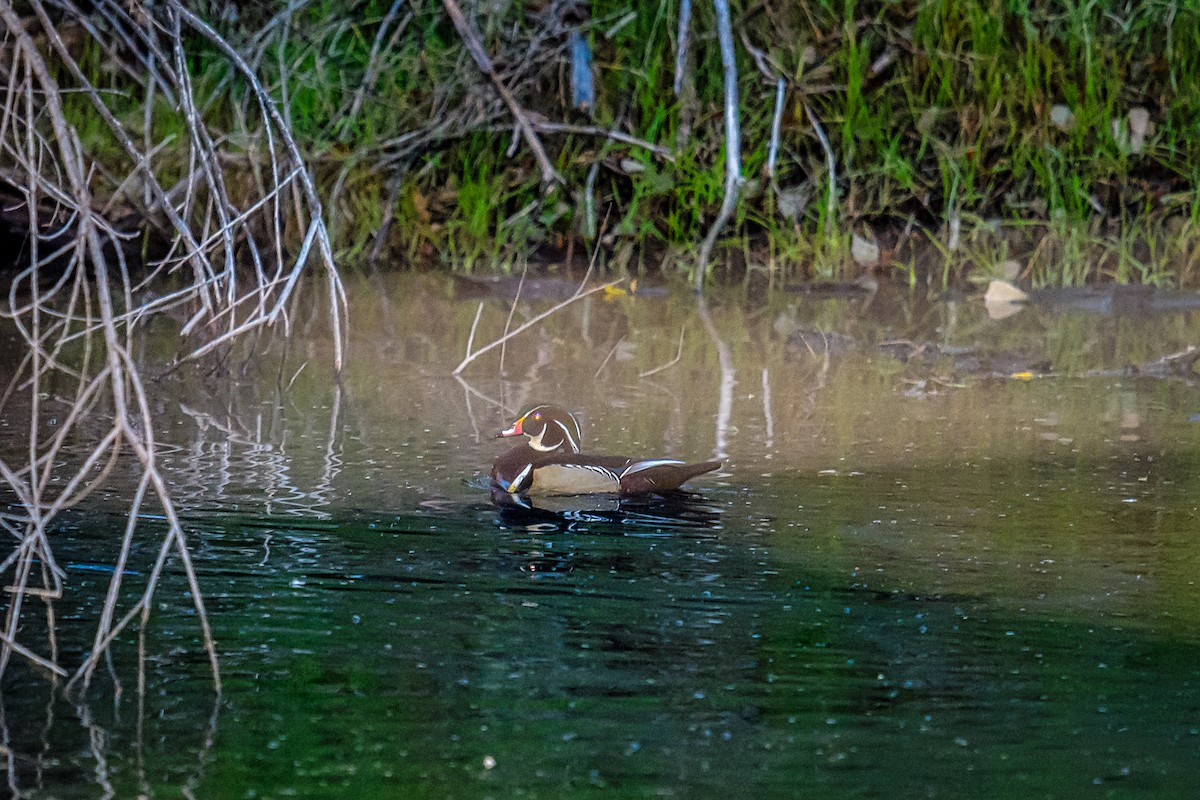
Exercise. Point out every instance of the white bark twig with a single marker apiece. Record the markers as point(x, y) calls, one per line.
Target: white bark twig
point(681, 43)
point(830, 163)
point(733, 144)
point(776, 125)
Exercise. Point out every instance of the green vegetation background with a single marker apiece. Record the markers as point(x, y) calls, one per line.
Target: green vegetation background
point(970, 137)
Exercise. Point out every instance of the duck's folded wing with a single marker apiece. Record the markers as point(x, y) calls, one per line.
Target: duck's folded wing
point(649, 463)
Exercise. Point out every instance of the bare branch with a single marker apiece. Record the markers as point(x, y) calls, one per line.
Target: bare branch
point(733, 141)
point(470, 38)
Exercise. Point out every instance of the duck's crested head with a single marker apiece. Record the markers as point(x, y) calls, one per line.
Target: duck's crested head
point(548, 428)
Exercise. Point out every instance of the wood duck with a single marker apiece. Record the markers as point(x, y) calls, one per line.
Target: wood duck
point(549, 462)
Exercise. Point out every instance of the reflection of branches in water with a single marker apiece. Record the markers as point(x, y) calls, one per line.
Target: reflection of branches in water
point(768, 415)
point(248, 457)
point(331, 465)
point(820, 373)
point(78, 307)
point(24, 767)
point(725, 393)
point(100, 740)
point(673, 361)
point(26, 758)
point(468, 392)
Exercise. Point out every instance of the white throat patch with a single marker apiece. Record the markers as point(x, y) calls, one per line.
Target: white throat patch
point(536, 441)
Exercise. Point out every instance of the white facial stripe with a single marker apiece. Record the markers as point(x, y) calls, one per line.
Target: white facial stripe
point(574, 445)
point(515, 485)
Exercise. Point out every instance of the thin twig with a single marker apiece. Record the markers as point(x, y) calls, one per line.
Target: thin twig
point(511, 310)
point(373, 63)
point(664, 153)
point(830, 163)
point(728, 380)
point(607, 358)
point(32, 656)
point(776, 125)
point(673, 361)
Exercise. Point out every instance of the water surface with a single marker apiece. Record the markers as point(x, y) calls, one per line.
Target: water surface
point(915, 575)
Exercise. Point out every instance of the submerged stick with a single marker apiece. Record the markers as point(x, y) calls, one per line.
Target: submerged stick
point(733, 167)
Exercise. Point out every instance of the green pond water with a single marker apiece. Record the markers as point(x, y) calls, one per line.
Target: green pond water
point(913, 577)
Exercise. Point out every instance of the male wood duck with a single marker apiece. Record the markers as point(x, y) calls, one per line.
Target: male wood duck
point(549, 462)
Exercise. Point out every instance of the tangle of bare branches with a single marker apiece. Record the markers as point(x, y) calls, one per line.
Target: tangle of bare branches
point(195, 231)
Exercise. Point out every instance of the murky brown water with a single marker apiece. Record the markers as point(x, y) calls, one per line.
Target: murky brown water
point(912, 567)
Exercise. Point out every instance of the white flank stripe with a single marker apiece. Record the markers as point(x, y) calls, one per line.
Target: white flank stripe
point(639, 466)
point(515, 486)
point(605, 471)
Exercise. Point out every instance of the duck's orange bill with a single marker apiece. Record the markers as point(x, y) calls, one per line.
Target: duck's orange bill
point(515, 430)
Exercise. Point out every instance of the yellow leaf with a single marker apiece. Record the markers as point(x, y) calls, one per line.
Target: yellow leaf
point(1022, 376)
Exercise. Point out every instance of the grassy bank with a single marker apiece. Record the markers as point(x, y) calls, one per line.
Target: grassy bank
point(1057, 140)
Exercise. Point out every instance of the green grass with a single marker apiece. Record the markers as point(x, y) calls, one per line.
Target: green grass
point(939, 113)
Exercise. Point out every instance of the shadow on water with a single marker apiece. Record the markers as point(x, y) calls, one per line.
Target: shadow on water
point(903, 575)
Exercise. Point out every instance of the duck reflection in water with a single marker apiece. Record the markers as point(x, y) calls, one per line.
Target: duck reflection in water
point(556, 535)
point(671, 513)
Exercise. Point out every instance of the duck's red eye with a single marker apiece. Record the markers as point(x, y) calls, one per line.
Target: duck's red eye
point(538, 415)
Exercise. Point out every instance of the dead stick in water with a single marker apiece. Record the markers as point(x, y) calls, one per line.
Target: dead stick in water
point(471, 356)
